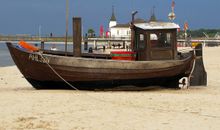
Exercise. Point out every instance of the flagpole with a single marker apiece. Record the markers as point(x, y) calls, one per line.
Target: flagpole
point(186, 27)
point(67, 15)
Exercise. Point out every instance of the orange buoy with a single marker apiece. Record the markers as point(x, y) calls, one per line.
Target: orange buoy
point(28, 46)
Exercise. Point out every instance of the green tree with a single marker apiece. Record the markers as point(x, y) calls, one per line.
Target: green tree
point(91, 32)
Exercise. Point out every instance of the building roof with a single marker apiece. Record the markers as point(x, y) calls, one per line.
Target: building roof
point(113, 18)
point(153, 17)
point(139, 20)
point(127, 25)
point(157, 25)
point(121, 26)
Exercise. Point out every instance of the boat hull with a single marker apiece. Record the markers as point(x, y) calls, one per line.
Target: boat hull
point(50, 71)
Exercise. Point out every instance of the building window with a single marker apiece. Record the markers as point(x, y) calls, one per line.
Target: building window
point(117, 32)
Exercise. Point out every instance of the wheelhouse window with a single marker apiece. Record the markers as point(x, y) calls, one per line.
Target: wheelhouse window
point(161, 40)
point(141, 41)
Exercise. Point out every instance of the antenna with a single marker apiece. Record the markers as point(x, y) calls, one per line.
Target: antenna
point(113, 9)
point(153, 10)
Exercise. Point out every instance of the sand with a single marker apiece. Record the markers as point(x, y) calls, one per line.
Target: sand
point(197, 108)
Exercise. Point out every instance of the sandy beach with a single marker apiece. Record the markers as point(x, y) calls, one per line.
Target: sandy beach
point(196, 108)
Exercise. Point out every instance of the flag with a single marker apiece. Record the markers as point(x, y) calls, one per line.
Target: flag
point(186, 26)
point(101, 31)
point(107, 34)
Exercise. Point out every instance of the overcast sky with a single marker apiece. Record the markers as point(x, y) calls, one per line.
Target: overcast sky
point(26, 16)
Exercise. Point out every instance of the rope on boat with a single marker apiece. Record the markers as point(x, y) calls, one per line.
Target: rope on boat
point(98, 99)
point(57, 73)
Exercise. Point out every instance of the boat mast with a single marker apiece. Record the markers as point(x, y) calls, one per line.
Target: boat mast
point(39, 32)
point(67, 15)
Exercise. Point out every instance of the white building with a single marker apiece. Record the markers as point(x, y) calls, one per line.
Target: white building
point(113, 21)
point(118, 30)
point(123, 30)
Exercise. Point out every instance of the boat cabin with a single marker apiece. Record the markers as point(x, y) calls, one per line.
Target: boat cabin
point(149, 41)
point(154, 41)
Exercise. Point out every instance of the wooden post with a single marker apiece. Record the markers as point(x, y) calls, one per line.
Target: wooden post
point(123, 44)
point(77, 36)
point(42, 45)
point(86, 44)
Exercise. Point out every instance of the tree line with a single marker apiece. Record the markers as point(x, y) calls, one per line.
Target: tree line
point(200, 33)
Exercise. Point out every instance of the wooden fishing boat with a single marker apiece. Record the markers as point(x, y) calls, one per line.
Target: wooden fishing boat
point(155, 61)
